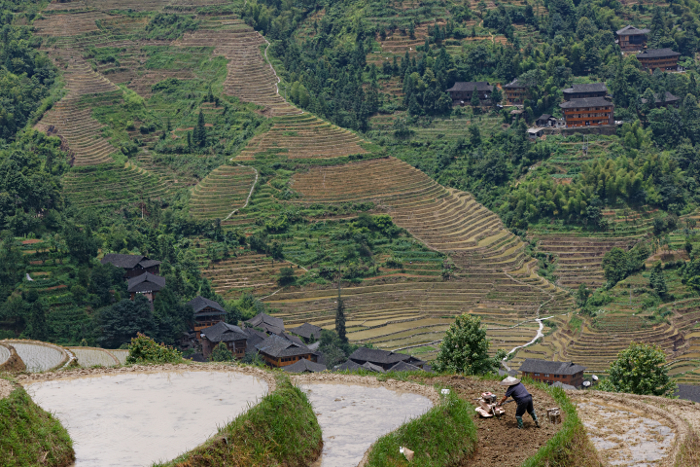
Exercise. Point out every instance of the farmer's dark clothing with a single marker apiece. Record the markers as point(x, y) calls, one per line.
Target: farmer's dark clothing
point(518, 393)
point(525, 405)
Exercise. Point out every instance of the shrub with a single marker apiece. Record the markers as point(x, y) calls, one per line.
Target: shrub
point(640, 369)
point(221, 353)
point(465, 348)
point(143, 349)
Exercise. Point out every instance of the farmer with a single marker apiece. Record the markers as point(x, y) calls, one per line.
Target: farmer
point(521, 397)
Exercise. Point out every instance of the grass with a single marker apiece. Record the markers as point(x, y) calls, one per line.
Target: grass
point(445, 435)
point(281, 430)
point(31, 436)
point(690, 451)
point(570, 447)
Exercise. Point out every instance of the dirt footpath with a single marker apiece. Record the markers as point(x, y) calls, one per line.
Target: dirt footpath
point(500, 441)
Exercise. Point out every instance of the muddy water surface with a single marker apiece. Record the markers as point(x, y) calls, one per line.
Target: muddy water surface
point(625, 438)
point(354, 417)
point(133, 420)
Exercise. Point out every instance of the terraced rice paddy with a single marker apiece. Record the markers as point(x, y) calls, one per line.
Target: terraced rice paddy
point(121, 355)
point(353, 417)
point(224, 190)
point(39, 357)
point(89, 357)
point(4, 354)
point(173, 413)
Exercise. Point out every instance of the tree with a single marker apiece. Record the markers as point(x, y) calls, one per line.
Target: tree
point(143, 349)
point(615, 265)
point(221, 353)
point(200, 132)
point(82, 245)
point(286, 277)
point(125, 320)
point(582, 295)
point(465, 348)
point(475, 102)
point(640, 369)
point(340, 316)
point(38, 328)
point(657, 281)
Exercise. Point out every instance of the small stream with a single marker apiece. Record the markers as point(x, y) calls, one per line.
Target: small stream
point(539, 334)
point(354, 417)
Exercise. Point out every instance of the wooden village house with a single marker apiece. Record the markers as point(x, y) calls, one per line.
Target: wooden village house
point(516, 92)
point(133, 265)
point(279, 351)
point(546, 371)
point(308, 332)
point(305, 366)
point(207, 313)
point(664, 100)
point(461, 92)
point(631, 39)
point(267, 323)
point(588, 111)
point(662, 59)
point(580, 91)
point(147, 284)
point(232, 336)
point(383, 358)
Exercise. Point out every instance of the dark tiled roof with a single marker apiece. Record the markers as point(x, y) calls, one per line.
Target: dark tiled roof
point(145, 282)
point(382, 357)
point(586, 102)
point(266, 322)
point(254, 338)
point(305, 366)
point(669, 98)
point(630, 30)
point(469, 87)
point(657, 53)
point(515, 84)
point(278, 346)
point(544, 117)
point(348, 366)
point(122, 261)
point(149, 263)
point(307, 331)
point(592, 87)
point(292, 338)
point(403, 366)
point(222, 332)
point(199, 303)
point(688, 392)
point(533, 365)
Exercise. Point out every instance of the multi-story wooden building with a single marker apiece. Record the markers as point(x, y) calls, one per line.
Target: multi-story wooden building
point(147, 284)
point(516, 92)
point(549, 372)
point(280, 351)
point(588, 111)
point(232, 336)
point(207, 313)
point(461, 92)
point(133, 265)
point(632, 39)
point(663, 59)
point(579, 91)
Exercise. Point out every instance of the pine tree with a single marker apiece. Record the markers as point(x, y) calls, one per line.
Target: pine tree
point(189, 141)
point(475, 102)
point(657, 281)
point(200, 136)
point(340, 315)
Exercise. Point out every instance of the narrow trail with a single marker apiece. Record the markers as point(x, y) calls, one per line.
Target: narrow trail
point(539, 334)
point(249, 194)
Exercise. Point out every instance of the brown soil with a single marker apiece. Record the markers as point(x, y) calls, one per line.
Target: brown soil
point(5, 388)
point(500, 442)
point(14, 363)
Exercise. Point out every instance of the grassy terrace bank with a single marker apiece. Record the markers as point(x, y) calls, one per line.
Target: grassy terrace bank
point(445, 435)
point(29, 435)
point(281, 430)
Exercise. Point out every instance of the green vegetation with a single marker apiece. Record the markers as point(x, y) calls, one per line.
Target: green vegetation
point(465, 348)
point(221, 353)
point(29, 435)
point(143, 349)
point(281, 430)
point(570, 445)
point(640, 369)
point(445, 435)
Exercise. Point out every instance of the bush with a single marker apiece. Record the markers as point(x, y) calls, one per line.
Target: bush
point(221, 353)
point(143, 349)
point(465, 348)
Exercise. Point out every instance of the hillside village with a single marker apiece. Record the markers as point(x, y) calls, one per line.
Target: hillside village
point(360, 223)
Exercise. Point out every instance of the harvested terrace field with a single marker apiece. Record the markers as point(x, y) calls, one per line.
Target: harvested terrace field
point(222, 191)
point(68, 24)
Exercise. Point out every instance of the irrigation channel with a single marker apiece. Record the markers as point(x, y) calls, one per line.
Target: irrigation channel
point(135, 419)
point(539, 334)
point(353, 417)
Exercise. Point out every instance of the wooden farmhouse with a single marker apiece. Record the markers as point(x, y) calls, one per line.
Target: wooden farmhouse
point(664, 100)
point(461, 92)
point(206, 313)
point(588, 111)
point(383, 358)
point(267, 323)
point(549, 372)
point(278, 351)
point(516, 92)
point(147, 284)
point(133, 265)
point(580, 91)
point(233, 336)
point(305, 366)
point(631, 39)
point(663, 59)
point(308, 332)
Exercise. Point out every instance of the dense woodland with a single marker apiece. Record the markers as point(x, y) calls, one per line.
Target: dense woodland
point(322, 52)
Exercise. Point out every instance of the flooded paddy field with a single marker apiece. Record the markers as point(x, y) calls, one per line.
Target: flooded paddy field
point(135, 419)
point(353, 417)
